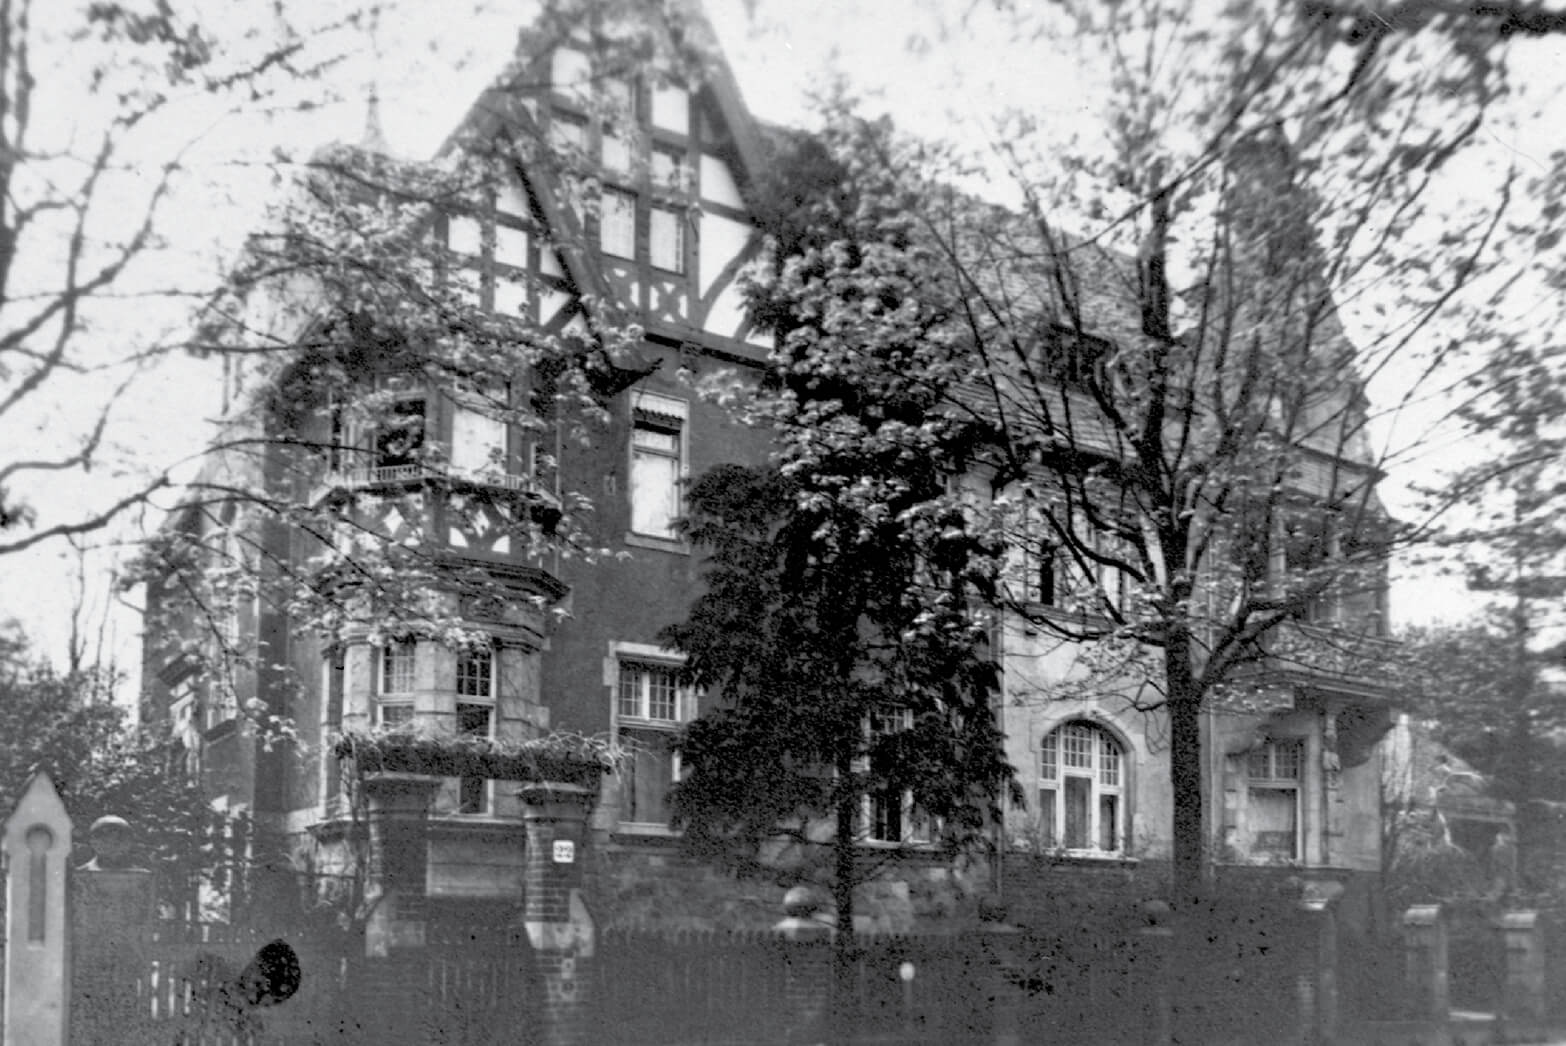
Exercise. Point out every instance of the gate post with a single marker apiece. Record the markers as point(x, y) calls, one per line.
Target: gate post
point(556, 918)
point(37, 846)
point(1158, 946)
point(113, 905)
point(1522, 994)
point(399, 807)
point(807, 967)
point(1425, 969)
point(1319, 977)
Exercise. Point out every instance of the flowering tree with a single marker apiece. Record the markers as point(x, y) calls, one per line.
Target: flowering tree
point(1161, 414)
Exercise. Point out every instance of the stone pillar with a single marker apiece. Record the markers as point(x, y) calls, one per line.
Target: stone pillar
point(1318, 981)
point(1425, 969)
point(1157, 944)
point(398, 808)
point(1004, 992)
point(807, 967)
point(554, 913)
point(1522, 997)
point(113, 907)
point(37, 846)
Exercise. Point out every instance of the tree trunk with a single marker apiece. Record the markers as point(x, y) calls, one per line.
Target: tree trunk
point(1185, 772)
point(844, 876)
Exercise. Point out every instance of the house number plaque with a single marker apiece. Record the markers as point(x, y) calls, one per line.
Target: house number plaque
point(565, 851)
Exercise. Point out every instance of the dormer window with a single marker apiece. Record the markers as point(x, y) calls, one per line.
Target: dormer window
point(1070, 357)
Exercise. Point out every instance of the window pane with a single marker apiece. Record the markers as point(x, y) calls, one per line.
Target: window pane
point(1047, 817)
point(473, 720)
point(400, 435)
point(655, 492)
point(474, 674)
point(666, 239)
point(1076, 742)
point(1260, 763)
point(1108, 761)
point(1079, 792)
point(1049, 760)
point(617, 224)
point(568, 138)
point(668, 170)
point(886, 816)
point(464, 235)
point(1287, 760)
point(1109, 823)
point(397, 663)
point(1273, 820)
point(630, 690)
point(470, 795)
point(394, 715)
point(658, 440)
point(661, 703)
point(647, 777)
point(617, 152)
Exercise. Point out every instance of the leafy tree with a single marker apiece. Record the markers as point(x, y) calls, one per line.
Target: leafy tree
point(1165, 420)
point(1483, 690)
point(67, 726)
point(100, 106)
point(855, 688)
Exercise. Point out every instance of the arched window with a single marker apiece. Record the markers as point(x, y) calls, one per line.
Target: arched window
point(1082, 780)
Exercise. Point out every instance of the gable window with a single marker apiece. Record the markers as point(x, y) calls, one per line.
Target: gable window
point(890, 813)
point(650, 706)
point(617, 223)
point(1273, 772)
point(478, 438)
point(1082, 790)
point(667, 170)
point(666, 239)
point(395, 682)
point(657, 464)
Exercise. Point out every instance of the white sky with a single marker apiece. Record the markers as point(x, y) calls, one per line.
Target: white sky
point(429, 62)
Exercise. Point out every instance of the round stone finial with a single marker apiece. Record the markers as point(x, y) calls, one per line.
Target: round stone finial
point(799, 902)
point(110, 838)
point(992, 909)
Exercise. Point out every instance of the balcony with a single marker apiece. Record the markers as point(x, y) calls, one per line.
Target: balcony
point(1339, 660)
point(544, 505)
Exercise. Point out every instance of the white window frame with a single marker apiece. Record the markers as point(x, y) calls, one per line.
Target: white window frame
point(398, 702)
point(617, 223)
point(1266, 769)
point(477, 404)
point(649, 658)
point(666, 239)
point(473, 698)
point(1054, 768)
point(916, 826)
point(662, 415)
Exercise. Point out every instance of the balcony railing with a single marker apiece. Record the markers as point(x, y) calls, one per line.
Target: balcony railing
point(371, 477)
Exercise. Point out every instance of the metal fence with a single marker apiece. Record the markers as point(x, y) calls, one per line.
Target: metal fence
point(1218, 978)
